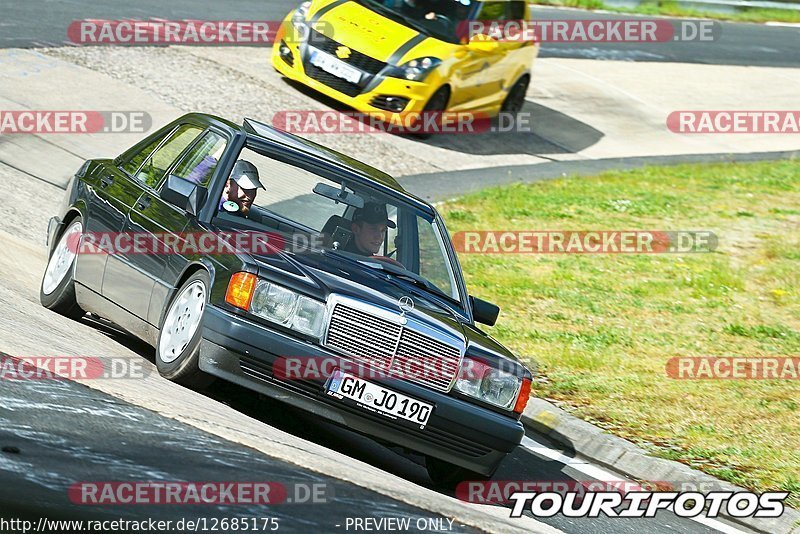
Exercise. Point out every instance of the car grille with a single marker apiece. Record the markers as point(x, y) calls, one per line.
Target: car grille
point(393, 348)
point(361, 61)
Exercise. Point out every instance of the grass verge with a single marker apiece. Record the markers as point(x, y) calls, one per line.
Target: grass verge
point(602, 327)
point(674, 9)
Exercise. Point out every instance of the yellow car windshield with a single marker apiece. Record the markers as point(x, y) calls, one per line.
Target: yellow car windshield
point(441, 19)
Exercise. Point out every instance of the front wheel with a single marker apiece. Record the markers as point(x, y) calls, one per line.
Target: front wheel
point(436, 105)
point(57, 292)
point(178, 347)
point(515, 98)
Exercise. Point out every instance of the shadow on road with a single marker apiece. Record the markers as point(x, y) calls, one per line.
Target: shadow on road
point(538, 131)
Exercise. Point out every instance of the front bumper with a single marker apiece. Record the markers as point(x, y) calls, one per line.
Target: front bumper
point(417, 93)
point(243, 352)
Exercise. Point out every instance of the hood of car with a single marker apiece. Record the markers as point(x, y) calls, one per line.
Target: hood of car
point(327, 274)
point(373, 34)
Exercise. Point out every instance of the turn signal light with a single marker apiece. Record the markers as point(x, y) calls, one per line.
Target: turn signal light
point(524, 395)
point(241, 289)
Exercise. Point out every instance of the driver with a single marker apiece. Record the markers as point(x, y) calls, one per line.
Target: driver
point(241, 188)
point(421, 8)
point(369, 229)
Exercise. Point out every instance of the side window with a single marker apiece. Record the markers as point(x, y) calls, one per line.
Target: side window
point(199, 163)
point(493, 11)
point(432, 263)
point(135, 162)
point(515, 10)
point(161, 160)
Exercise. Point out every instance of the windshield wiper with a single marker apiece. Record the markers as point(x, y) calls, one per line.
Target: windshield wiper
point(402, 19)
point(399, 272)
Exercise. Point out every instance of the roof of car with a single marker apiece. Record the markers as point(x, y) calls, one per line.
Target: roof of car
point(270, 134)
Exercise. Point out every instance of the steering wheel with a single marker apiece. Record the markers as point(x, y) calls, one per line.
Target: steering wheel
point(387, 259)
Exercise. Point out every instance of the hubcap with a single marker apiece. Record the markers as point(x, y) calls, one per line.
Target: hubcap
point(62, 258)
point(183, 319)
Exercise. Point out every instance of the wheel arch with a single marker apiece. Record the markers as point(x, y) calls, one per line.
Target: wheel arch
point(190, 270)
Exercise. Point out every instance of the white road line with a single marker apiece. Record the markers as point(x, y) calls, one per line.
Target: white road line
point(598, 473)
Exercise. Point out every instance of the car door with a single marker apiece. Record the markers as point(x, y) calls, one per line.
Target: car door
point(124, 281)
point(490, 82)
point(152, 215)
point(113, 193)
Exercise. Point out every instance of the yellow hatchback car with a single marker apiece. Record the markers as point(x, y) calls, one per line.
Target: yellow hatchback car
point(407, 56)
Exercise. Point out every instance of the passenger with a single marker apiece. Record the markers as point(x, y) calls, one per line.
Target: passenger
point(241, 188)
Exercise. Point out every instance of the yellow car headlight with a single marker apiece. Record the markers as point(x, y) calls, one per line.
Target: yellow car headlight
point(415, 70)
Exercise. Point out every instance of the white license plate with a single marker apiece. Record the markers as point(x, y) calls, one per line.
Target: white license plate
point(332, 65)
point(379, 399)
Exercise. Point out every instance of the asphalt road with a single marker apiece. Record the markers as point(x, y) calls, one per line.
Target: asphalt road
point(36, 23)
point(61, 433)
point(56, 433)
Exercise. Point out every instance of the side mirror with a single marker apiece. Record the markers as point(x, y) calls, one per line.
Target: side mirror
point(486, 46)
point(184, 194)
point(483, 311)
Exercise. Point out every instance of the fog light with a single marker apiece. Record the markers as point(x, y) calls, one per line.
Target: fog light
point(286, 53)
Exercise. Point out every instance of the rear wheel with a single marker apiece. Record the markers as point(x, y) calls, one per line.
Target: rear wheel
point(57, 292)
point(178, 347)
point(447, 476)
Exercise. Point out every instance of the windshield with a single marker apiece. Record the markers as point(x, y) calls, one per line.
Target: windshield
point(441, 19)
point(314, 214)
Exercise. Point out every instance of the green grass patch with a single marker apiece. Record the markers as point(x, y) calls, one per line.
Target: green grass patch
point(600, 328)
point(674, 9)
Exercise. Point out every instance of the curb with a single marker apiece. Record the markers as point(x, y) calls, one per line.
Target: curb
point(621, 455)
point(446, 185)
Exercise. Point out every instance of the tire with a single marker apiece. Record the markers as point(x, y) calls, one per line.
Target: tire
point(57, 290)
point(447, 476)
point(438, 102)
point(178, 346)
point(515, 99)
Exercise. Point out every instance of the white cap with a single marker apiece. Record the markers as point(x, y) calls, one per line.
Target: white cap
point(245, 175)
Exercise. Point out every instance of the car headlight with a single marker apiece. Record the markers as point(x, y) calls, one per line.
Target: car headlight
point(415, 70)
point(494, 386)
point(300, 14)
point(277, 304)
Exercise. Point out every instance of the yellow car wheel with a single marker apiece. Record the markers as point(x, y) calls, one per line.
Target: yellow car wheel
point(515, 98)
point(437, 103)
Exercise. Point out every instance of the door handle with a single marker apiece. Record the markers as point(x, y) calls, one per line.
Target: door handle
point(144, 203)
point(106, 181)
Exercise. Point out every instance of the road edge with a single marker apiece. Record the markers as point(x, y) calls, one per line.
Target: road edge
point(623, 456)
point(446, 185)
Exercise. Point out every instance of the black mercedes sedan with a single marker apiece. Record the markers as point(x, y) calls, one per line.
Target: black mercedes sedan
point(255, 256)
